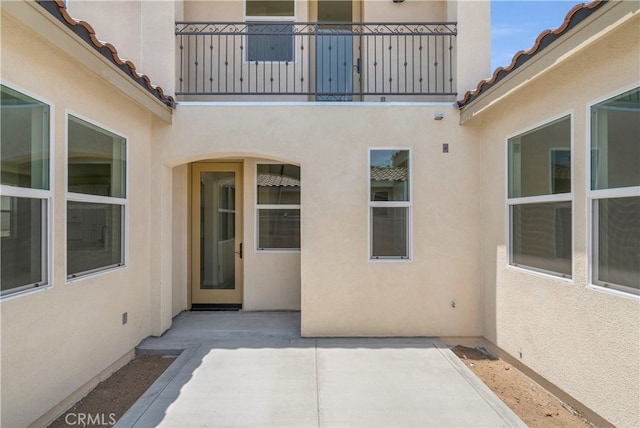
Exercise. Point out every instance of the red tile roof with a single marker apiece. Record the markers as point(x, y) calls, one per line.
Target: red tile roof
point(389, 173)
point(271, 180)
point(58, 9)
point(577, 14)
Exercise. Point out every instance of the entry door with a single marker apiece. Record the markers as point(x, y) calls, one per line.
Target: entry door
point(216, 236)
point(337, 62)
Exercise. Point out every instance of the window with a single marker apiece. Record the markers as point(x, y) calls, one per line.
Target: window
point(278, 207)
point(614, 196)
point(270, 30)
point(270, 42)
point(96, 198)
point(26, 195)
point(389, 203)
point(540, 199)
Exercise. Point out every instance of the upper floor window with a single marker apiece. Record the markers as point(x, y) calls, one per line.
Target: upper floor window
point(273, 40)
point(274, 8)
point(389, 203)
point(96, 198)
point(540, 199)
point(278, 206)
point(614, 196)
point(25, 201)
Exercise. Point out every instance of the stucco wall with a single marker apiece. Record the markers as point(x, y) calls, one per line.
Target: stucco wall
point(142, 31)
point(57, 339)
point(581, 338)
point(343, 293)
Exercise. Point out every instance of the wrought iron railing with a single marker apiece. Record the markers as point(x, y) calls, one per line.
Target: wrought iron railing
point(325, 61)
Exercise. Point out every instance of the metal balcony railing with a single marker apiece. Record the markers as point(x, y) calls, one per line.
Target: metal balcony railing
point(319, 60)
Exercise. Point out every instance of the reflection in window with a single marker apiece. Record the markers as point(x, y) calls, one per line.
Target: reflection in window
point(94, 237)
point(24, 172)
point(540, 227)
point(270, 7)
point(96, 177)
point(96, 160)
point(389, 203)
point(615, 186)
point(24, 257)
point(541, 236)
point(24, 153)
point(278, 208)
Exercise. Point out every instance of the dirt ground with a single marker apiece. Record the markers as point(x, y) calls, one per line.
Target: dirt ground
point(533, 404)
point(110, 399)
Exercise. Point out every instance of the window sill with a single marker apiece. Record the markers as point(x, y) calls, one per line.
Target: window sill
point(544, 274)
point(21, 293)
point(95, 273)
point(613, 291)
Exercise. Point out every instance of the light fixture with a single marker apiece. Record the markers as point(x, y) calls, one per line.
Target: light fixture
point(437, 116)
point(398, 1)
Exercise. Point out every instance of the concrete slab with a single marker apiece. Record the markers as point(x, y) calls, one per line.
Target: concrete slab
point(252, 369)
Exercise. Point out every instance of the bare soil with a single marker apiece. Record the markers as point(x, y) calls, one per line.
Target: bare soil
point(533, 404)
point(110, 399)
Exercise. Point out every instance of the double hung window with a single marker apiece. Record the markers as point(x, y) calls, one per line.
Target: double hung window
point(389, 203)
point(96, 198)
point(278, 207)
point(270, 30)
point(26, 192)
point(540, 199)
point(614, 196)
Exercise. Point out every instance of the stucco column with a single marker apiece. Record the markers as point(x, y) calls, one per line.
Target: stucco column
point(160, 265)
point(473, 49)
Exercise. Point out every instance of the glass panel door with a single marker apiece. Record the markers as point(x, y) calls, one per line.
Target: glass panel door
point(216, 241)
point(337, 63)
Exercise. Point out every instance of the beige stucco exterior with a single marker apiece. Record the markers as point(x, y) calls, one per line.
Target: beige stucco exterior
point(579, 337)
point(59, 341)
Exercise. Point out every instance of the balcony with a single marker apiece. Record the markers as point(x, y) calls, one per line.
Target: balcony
point(319, 61)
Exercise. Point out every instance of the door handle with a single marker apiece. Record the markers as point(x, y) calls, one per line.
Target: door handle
point(239, 253)
point(356, 66)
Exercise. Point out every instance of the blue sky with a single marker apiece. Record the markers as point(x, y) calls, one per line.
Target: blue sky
point(515, 24)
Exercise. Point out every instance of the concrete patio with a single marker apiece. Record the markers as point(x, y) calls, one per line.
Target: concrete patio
point(253, 369)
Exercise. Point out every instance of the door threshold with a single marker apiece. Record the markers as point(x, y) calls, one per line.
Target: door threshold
point(216, 306)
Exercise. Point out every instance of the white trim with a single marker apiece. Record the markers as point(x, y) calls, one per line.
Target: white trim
point(45, 195)
point(558, 197)
point(539, 199)
point(595, 195)
point(96, 199)
point(602, 98)
point(613, 291)
point(618, 192)
point(390, 204)
point(24, 192)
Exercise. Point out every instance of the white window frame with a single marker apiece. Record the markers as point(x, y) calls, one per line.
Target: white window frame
point(258, 19)
point(390, 204)
point(44, 195)
point(80, 197)
point(595, 195)
point(259, 207)
point(550, 198)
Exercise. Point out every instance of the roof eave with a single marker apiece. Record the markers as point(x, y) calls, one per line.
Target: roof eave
point(547, 54)
point(100, 58)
